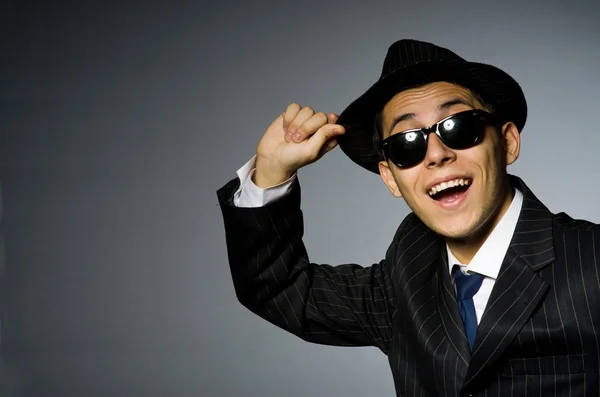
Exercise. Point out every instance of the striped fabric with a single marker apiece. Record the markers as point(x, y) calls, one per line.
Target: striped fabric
point(539, 334)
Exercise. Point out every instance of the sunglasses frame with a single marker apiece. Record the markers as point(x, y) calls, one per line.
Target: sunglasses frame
point(435, 128)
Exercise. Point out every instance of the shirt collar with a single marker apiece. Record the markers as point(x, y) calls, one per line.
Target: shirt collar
point(488, 259)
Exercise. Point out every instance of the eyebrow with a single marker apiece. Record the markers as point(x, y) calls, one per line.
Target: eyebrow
point(443, 106)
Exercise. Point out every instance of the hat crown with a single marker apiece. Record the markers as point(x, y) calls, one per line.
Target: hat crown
point(407, 52)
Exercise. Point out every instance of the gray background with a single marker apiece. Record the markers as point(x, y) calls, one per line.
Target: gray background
point(119, 123)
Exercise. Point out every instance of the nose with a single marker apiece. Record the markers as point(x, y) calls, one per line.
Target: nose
point(437, 153)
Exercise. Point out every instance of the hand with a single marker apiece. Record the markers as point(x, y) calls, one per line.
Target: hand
point(298, 137)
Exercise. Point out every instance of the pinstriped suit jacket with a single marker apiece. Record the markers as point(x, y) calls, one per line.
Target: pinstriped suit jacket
point(539, 334)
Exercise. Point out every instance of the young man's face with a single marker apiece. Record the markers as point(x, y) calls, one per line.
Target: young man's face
point(463, 212)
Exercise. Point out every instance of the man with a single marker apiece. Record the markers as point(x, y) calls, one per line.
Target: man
point(482, 291)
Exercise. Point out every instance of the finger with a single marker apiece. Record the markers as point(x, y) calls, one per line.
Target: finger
point(290, 113)
point(332, 117)
point(318, 140)
point(304, 114)
point(310, 126)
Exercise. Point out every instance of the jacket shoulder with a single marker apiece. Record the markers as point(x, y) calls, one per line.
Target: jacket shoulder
point(564, 221)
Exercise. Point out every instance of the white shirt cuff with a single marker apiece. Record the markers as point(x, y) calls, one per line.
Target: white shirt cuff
point(249, 195)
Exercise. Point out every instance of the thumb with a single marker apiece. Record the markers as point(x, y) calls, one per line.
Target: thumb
point(323, 135)
point(329, 146)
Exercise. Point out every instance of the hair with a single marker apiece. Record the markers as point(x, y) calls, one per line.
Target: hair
point(378, 130)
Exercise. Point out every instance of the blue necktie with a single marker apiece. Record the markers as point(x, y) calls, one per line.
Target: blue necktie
point(467, 286)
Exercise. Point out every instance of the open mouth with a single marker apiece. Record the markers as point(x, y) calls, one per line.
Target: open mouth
point(450, 191)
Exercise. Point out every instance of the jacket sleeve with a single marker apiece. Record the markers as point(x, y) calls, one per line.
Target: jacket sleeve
point(344, 305)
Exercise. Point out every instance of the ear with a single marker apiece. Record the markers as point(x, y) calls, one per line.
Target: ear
point(388, 178)
point(512, 142)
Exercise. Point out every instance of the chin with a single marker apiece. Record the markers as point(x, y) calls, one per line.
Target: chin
point(453, 234)
point(462, 231)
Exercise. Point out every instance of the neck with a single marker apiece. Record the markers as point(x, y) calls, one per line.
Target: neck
point(465, 249)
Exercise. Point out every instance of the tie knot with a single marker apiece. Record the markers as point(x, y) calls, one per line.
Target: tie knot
point(467, 285)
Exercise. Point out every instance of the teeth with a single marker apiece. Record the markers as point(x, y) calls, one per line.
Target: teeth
point(445, 185)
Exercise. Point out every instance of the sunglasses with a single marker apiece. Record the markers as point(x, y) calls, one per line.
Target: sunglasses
point(459, 131)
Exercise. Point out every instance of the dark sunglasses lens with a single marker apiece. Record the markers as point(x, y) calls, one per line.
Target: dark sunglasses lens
point(407, 149)
point(463, 131)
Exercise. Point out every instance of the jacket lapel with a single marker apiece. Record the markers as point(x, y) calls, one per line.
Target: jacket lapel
point(422, 278)
point(519, 288)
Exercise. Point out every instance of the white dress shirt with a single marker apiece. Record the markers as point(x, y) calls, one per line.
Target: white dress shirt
point(489, 257)
point(250, 195)
point(487, 260)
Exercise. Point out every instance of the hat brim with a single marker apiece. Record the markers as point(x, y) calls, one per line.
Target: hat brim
point(493, 84)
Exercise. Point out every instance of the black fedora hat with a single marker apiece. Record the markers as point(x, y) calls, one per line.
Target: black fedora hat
point(411, 63)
